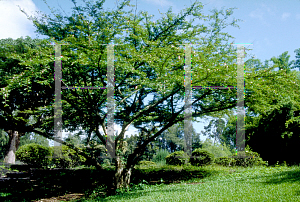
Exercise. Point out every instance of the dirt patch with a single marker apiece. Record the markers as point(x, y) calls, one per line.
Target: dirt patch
point(67, 197)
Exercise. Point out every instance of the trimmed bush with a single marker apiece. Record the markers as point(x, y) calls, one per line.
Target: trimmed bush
point(251, 159)
point(147, 163)
point(65, 157)
point(177, 158)
point(203, 157)
point(225, 161)
point(34, 155)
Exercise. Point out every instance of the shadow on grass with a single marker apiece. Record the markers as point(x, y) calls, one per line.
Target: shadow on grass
point(284, 176)
point(46, 183)
point(135, 194)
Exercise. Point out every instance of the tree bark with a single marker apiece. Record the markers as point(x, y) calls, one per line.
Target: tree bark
point(121, 178)
point(13, 144)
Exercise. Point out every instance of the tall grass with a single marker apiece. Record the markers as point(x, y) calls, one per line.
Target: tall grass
point(160, 157)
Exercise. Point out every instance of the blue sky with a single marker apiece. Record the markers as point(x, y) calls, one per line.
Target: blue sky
point(272, 26)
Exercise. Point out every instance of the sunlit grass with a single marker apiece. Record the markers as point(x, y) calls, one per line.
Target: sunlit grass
point(226, 184)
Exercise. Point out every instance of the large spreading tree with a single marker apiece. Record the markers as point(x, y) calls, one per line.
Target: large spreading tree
point(149, 63)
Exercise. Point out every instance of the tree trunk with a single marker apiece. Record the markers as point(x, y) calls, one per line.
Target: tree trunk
point(121, 178)
point(13, 144)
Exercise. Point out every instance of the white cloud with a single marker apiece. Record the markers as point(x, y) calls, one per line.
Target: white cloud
point(262, 11)
point(269, 8)
point(162, 3)
point(284, 16)
point(13, 22)
point(257, 14)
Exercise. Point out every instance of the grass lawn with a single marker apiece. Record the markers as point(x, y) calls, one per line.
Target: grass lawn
point(209, 183)
point(227, 184)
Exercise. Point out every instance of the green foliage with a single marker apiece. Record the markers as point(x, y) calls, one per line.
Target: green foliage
point(160, 156)
point(214, 129)
point(225, 161)
point(106, 162)
point(73, 139)
point(248, 158)
point(4, 138)
point(177, 158)
point(203, 157)
point(173, 138)
point(277, 128)
point(64, 157)
point(34, 154)
point(218, 150)
point(146, 163)
point(33, 138)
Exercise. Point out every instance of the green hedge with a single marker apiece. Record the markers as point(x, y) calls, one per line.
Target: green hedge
point(34, 154)
point(250, 159)
point(146, 163)
point(225, 161)
point(177, 158)
point(64, 157)
point(40, 156)
point(202, 157)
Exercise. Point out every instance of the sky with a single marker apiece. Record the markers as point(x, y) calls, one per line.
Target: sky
point(272, 26)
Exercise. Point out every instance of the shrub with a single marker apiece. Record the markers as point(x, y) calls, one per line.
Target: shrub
point(34, 154)
point(218, 150)
point(147, 163)
point(160, 156)
point(177, 158)
point(106, 162)
point(65, 157)
point(203, 157)
point(250, 159)
point(225, 161)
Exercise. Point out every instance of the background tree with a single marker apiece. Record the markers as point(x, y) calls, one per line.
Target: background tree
point(274, 131)
point(73, 139)
point(4, 138)
point(214, 129)
point(33, 138)
point(282, 62)
point(297, 62)
point(218, 150)
point(174, 138)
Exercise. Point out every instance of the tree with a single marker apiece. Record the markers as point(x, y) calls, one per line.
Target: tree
point(149, 52)
point(22, 95)
point(27, 92)
point(73, 139)
point(297, 62)
point(282, 62)
point(279, 128)
point(33, 138)
point(219, 125)
point(174, 138)
point(4, 138)
point(219, 150)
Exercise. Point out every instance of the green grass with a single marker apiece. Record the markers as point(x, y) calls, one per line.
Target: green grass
point(210, 183)
point(280, 183)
